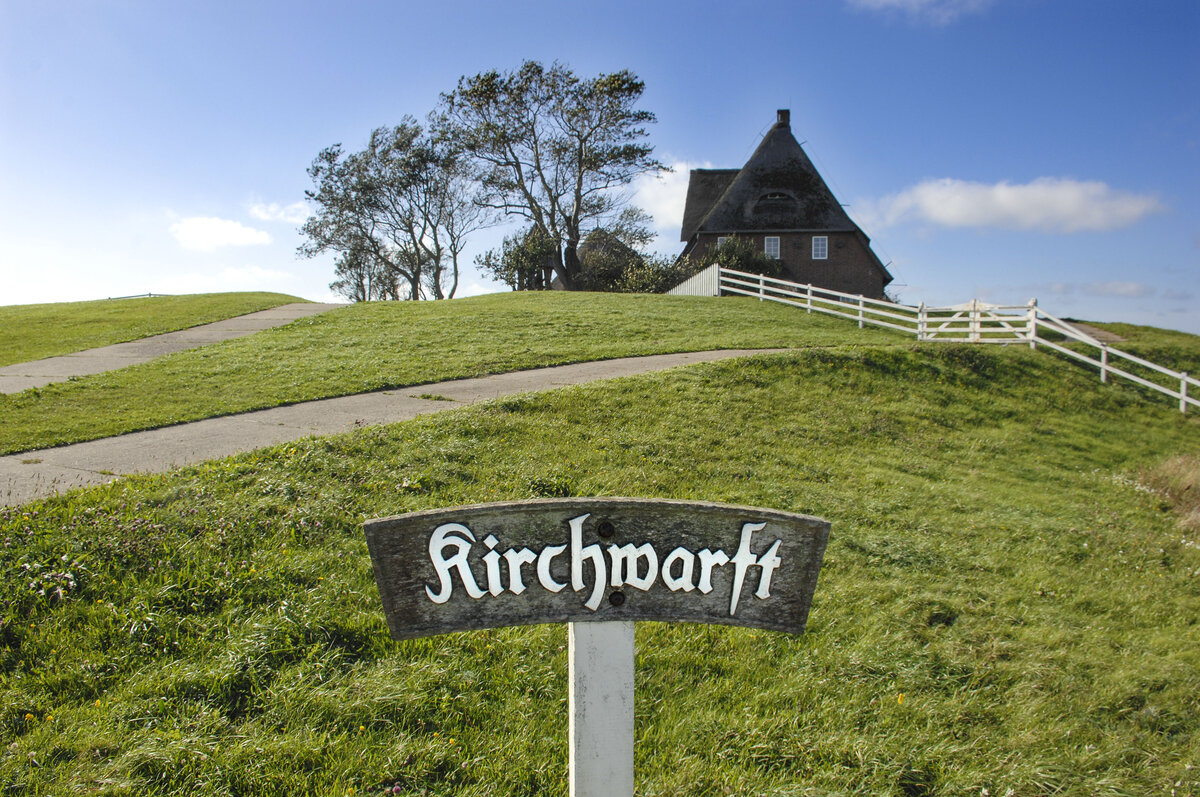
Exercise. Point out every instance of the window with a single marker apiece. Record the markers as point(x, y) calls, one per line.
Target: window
point(771, 246)
point(721, 241)
point(820, 247)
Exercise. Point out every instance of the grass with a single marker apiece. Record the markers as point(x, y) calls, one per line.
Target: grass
point(1166, 347)
point(1005, 607)
point(1178, 351)
point(35, 331)
point(380, 345)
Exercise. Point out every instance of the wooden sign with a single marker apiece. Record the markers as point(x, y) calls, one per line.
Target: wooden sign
point(593, 560)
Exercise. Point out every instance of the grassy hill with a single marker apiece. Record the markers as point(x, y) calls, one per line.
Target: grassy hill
point(392, 344)
point(1009, 602)
point(35, 331)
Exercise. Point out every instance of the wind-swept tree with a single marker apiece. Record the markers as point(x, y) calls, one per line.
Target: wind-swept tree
point(552, 148)
point(523, 262)
point(399, 212)
point(361, 277)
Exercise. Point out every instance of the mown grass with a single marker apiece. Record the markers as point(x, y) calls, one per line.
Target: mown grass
point(380, 345)
point(1004, 608)
point(35, 331)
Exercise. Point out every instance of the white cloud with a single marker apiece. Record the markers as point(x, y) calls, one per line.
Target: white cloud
point(230, 278)
point(1126, 290)
point(206, 233)
point(938, 12)
point(1118, 288)
point(1048, 204)
point(477, 285)
point(663, 197)
point(295, 213)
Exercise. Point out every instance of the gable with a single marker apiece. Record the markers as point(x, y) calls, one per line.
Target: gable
point(777, 189)
point(705, 187)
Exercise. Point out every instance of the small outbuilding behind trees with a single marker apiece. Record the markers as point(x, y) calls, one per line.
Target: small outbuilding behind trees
point(780, 205)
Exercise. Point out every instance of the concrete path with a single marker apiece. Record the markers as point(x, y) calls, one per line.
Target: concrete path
point(1102, 335)
point(38, 474)
point(22, 376)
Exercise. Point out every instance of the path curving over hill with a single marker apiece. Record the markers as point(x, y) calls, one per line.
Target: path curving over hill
point(39, 474)
point(38, 373)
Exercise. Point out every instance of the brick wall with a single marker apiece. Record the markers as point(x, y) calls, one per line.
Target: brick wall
point(850, 267)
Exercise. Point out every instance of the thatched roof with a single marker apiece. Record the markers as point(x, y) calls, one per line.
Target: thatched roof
point(778, 189)
point(705, 187)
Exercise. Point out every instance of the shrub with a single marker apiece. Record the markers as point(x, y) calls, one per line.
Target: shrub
point(741, 254)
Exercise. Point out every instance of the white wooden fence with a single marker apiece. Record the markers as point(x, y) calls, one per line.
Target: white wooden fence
point(973, 322)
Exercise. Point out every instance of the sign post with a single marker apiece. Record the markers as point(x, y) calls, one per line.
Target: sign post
point(600, 695)
point(598, 564)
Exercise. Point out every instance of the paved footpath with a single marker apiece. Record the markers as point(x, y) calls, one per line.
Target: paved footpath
point(22, 376)
point(38, 474)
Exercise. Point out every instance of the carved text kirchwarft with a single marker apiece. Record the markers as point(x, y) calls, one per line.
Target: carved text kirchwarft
point(453, 546)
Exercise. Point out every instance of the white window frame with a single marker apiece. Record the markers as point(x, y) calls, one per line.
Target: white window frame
point(721, 241)
point(767, 246)
point(820, 252)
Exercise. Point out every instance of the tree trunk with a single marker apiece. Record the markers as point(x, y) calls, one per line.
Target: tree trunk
point(569, 271)
point(435, 282)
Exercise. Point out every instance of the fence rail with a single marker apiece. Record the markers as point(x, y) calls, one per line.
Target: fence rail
point(972, 322)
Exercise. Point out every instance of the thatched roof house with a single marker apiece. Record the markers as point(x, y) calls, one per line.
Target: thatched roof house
point(779, 201)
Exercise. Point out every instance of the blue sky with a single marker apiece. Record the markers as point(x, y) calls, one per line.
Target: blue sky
point(1000, 149)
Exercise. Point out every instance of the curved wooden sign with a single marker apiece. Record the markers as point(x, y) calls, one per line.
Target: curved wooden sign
point(595, 559)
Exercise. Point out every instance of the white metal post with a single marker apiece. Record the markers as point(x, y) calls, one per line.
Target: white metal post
point(922, 321)
point(761, 283)
point(973, 323)
point(860, 311)
point(809, 294)
point(1031, 323)
point(600, 665)
point(1103, 362)
point(1183, 377)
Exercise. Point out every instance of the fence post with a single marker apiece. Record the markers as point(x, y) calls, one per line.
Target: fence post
point(973, 324)
point(760, 287)
point(1031, 323)
point(1183, 377)
point(1103, 362)
point(809, 294)
point(922, 320)
point(860, 311)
